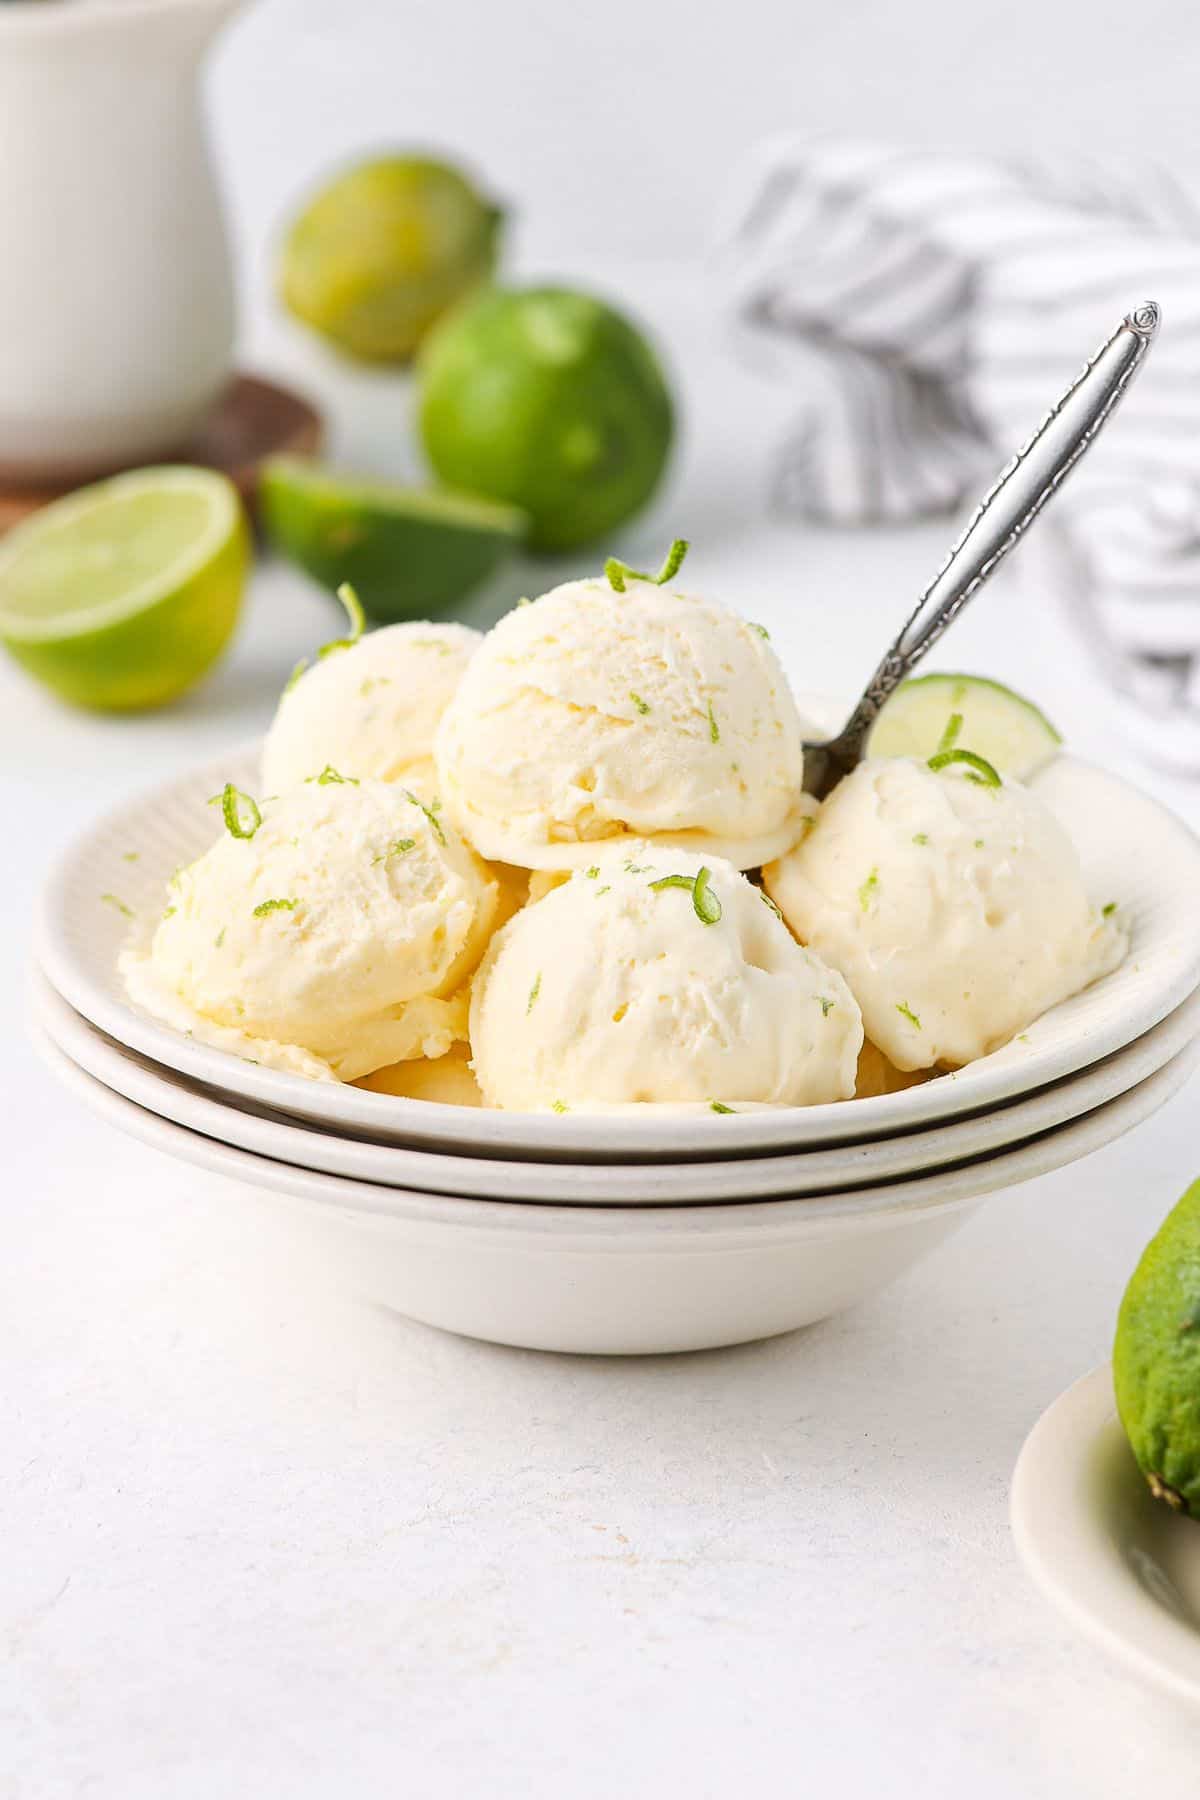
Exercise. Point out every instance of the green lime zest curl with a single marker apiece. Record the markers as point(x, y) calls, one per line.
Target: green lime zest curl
point(118, 904)
point(329, 774)
point(357, 618)
point(638, 702)
point(619, 573)
point(906, 1012)
point(431, 812)
point(234, 804)
point(705, 903)
point(718, 1106)
point(534, 991)
point(979, 770)
point(767, 901)
point(397, 847)
point(272, 906)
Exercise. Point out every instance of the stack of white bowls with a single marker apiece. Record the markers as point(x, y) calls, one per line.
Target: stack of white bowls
point(624, 1232)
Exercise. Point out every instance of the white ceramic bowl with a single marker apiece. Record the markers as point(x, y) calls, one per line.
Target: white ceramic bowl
point(1133, 851)
point(186, 1102)
point(1119, 1564)
point(626, 1280)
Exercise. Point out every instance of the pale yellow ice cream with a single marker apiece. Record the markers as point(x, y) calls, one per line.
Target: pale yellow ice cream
point(333, 941)
point(955, 909)
point(371, 710)
point(611, 991)
point(594, 715)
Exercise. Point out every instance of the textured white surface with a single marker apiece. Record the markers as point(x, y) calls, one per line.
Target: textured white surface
point(260, 1541)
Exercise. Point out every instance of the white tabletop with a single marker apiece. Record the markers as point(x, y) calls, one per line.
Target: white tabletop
point(263, 1540)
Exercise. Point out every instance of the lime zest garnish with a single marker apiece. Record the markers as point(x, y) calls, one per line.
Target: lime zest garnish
point(604, 890)
point(979, 843)
point(908, 1013)
point(431, 644)
point(708, 907)
point(560, 1106)
point(219, 939)
point(592, 872)
point(130, 855)
point(761, 630)
point(638, 702)
point(329, 774)
point(168, 912)
point(632, 868)
point(1106, 912)
point(714, 730)
point(705, 903)
point(524, 600)
point(397, 847)
point(619, 573)
point(232, 801)
point(270, 906)
point(869, 887)
point(113, 900)
point(431, 812)
point(984, 776)
point(718, 1106)
point(534, 991)
point(949, 737)
point(767, 901)
point(826, 1005)
point(921, 837)
point(357, 618)
point(297, 671)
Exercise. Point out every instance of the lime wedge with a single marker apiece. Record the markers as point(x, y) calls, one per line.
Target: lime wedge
point(122, 594)
point(407, 552)
point(998, 724)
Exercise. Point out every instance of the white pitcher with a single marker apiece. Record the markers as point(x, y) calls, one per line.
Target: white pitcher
point(116, 293)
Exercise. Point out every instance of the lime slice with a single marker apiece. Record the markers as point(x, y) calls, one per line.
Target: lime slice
point(122, 594)
point(997, 723)
point(407, 552)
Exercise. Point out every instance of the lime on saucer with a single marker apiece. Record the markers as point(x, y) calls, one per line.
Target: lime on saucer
point(122, 594)
point(997, 724)
point(407, 552)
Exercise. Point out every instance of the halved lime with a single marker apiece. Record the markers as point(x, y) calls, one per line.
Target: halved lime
point(997, 723)
point(122, 594)
point(407, 552)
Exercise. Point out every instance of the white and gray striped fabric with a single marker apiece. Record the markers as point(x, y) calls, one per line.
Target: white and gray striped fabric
point(929, 307)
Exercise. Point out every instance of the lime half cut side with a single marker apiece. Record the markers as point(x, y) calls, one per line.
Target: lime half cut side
point(997, 723)
point(409, 553)
point(122, 594)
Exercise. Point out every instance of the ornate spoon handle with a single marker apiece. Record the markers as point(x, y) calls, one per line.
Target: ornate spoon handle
point(999, 521)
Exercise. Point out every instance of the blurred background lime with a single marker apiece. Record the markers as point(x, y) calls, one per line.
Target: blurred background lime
point(121, 595)
point(383, 249)
point(551, 400)
point(407, 552)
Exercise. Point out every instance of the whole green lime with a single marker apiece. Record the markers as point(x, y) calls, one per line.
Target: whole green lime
point(550, 400)
point(381, 251)
point(1156, 1358)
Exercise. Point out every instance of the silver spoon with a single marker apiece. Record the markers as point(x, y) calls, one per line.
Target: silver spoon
point(998, 522)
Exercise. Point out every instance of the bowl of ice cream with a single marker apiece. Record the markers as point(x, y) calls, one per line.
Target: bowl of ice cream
point(555, 897)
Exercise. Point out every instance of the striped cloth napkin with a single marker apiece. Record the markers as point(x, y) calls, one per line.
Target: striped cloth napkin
point(928, 307)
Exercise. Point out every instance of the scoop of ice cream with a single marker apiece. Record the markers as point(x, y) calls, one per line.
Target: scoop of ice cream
point(955, 909)
point(594, 714)
point(646, 979)
point(371, 710)
point(335, 939)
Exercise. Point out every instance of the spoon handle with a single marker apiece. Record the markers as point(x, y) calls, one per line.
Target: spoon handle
point(1006, 511)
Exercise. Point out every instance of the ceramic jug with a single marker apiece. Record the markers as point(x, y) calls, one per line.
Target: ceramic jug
point(116, 294)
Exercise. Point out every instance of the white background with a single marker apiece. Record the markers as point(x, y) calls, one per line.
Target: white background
point(261, 1540)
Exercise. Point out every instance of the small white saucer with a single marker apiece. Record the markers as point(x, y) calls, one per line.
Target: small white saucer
point(1122, 1566)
